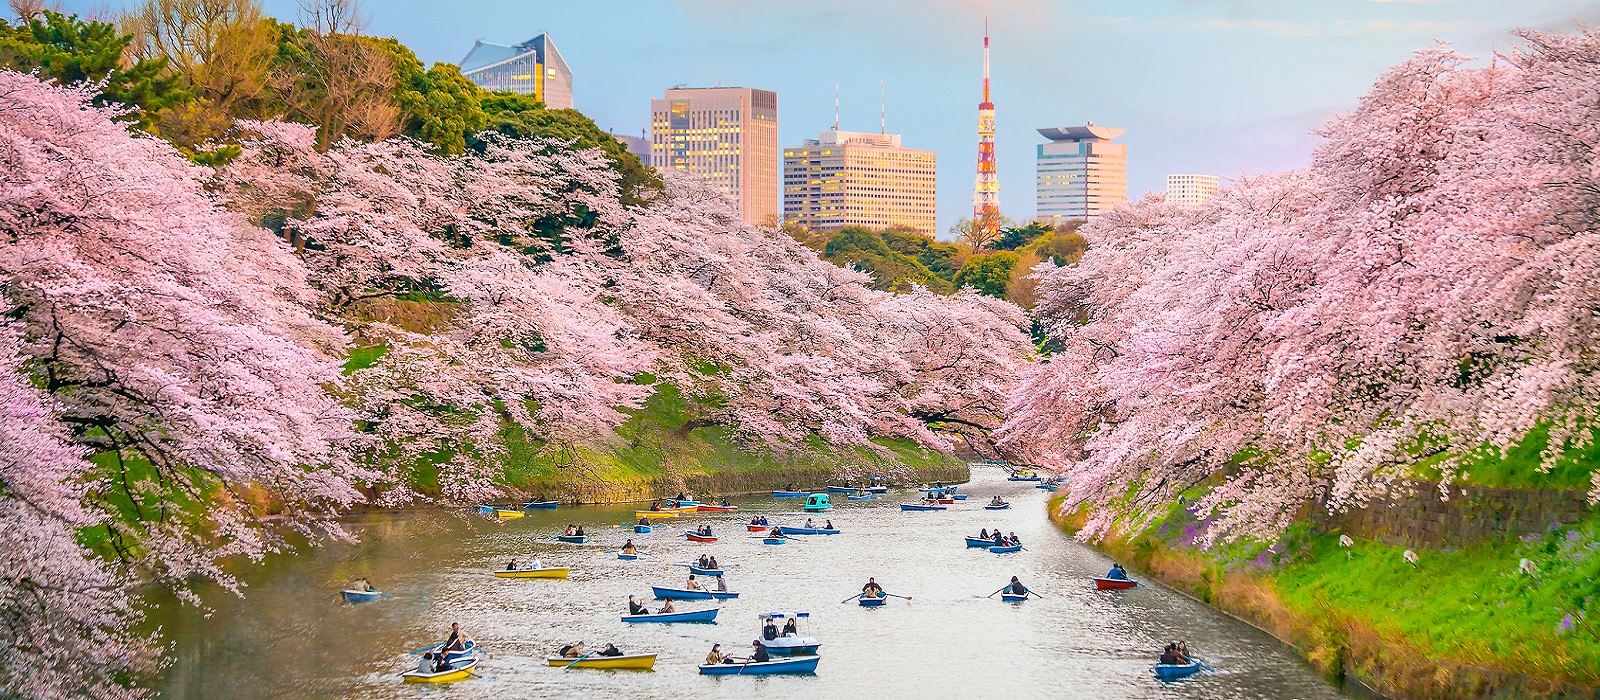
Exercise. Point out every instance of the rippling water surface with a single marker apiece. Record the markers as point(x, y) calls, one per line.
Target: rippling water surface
point(289, 637)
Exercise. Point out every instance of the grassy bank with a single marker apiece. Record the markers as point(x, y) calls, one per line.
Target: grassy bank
point(1461, 623)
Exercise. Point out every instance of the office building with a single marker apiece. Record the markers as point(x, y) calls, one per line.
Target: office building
point(727, 135)
point(1190, 188)
point(533, 67)
point(1080, 172)
point(847, 178)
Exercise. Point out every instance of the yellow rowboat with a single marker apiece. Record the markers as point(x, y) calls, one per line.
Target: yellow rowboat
point(507, 514)
point(632, 662)
point(552, 572)
point(655, 514)
point(460, 672)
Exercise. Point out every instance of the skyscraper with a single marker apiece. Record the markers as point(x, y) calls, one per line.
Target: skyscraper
point(1080, 172)
point(986, 189)
point(533, 67)
point(727, 135)
point(847, 178)
point(1191, 188)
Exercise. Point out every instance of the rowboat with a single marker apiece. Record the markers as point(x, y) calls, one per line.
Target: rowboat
point(457, 672)
point(919, 506)
point(788, 645)
point(785, 529)
point(797, 664)
point(1048, 487)
point(979, 542)
point(717, 509)
point(572, 539)
point(1024, 476)
point(642, 529)
point(1112, 584)
point(773, 540)
point(707, 615)
point(631, 662)
point(939, 489)
point(507, 514)
point(817, 502)
point(999, 506)
point(790, 494)
point(540, 505)
point(689, 504)
point(959, 496)
point(946, 501)
point(693, 537)
point(1172, 672)
point(1006, 549)
point(655, 514)
point(877, 489)
point(353, 596)
point(758, 528)
point(705, 572)
point(871, 602)
point(667, 593)
point(552, 572)
point(867, 497)
point(627, 557)
point(842, 489)
point(1013, 597)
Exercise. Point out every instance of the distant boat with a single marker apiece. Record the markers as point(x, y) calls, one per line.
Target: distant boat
point(1172, 672)
point(842, 489)
point(758, 528)
point(1113, 584)
point(790, 494)
point(979, 542)
point(696, 537)
point(866, 497)
point(793, 664)
point(356, 597)
point(698, 571)
point(572, 539)
point(997, 506)
point(707, 615)
point(669, 593)
point(631, 662)
point(540, 505)
point(787, 530)
point(817, 502)
point(1006, 549)
point(551, 572)
point(920, 506)
point(877, 489)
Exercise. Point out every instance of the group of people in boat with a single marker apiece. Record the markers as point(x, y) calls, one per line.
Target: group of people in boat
point(718, 584)
point(1116, 573)
point(759, 520)
point(812, 524)
point(704, 530)
point(440, 659)
point(997, 501)
point(757, 655)
point(1176, 653)
point(999, 538)
point(637, 608)
point(574, 530)
point(362, 584)
point(770, 631)
point(534, 565)
point(705, 562)
point(576, 650)
point(872, 589)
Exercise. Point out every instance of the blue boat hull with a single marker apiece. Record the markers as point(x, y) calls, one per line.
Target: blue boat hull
point(979, 542)
point(643, 529)
point(959, 496)
point(573, 539)
point(877, 489)
point(1171, 672)
point(665, 593)
point(908, 506)
point(859, 498)
point(627, 557)
point(802, 664)
point(1013, 597)
point(816, 509)
point(705, 572)
point(773, 540)
point(785, 529)
point(358, 597)
point(540, 505)
point(1006, 549)
point(995, 507)
point(842, 489)
point(709, 615)
point(790, 494)
point(866, 602)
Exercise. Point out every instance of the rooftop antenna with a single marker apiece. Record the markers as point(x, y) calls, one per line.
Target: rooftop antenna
point(883, 109)
point(836, 103)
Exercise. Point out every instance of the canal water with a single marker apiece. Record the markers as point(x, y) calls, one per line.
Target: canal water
point(290, 636)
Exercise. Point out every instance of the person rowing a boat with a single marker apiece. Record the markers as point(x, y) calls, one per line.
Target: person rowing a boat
point(511, 565)
point(703, 562)
point(705, 530)
point(628, 548)
point(645, 521)
point(635, 608)
point(1016, 587)
point(362, 584)
point(872, 589)
point(692, 584)
point(571, 530)
point(1171, 655)
point(1116, 573)
point(455, 642)
point(983, 534)
point(1014, 539)
point(668, 607)
point(760, 654)
point(572, 651)
point(776, 532)
point(580, 531)
point(998, 537)
point(1183, 651)
point(755, 520)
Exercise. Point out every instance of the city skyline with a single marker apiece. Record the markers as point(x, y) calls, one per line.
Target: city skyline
point(1188, 79)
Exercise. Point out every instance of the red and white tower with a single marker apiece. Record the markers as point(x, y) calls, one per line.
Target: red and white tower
point(986, 190)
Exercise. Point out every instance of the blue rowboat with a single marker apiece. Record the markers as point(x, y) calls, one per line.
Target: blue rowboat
point(641, 528)
point(918, 506)
point(867, 497)
point(1034, 477)
point(877, 489)
point(842, 489)
point(704, 572)
point(627, 557)
point(940, 489)
point(790, 494)
point(707, 615)
point(486, 510)
point(773, 540)
point(572, 539)
point(1013, 597)
point(785, 529)
point(979, 542)
point(540, 505)
point(669, 593)
point(795, 664)
point(687, 504)
point(870, 602)
point(1048, 487)
point(959, 496)
point(355, 597)
point(1006, 549)
point(1172, 672)
point(992, 506)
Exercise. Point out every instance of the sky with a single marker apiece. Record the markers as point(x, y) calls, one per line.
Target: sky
point(1225, 87)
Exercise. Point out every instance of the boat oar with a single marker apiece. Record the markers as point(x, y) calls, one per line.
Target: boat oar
point(897, 596)
point(574, 661)
point(419, 651)
point(846, 600)
point(991, 595)
point(1202, 664)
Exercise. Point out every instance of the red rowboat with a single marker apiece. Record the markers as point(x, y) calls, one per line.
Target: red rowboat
point(757, 528)
point(717, 509)
point(699, 538)
point(947, 501)
point(1111, 584)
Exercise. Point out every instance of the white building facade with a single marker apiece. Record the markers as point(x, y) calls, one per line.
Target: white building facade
point(1191, 188)
point(1080, 172)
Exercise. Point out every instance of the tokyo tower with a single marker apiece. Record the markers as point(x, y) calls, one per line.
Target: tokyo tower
point(986, 190)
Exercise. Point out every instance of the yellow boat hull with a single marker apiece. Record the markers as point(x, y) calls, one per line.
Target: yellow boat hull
point(634, 662)
point(536, 573)
point(459, 674)
point(508, 514)
point(655, 514)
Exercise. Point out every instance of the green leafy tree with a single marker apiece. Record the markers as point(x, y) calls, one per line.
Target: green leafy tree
point(1064, 245)
point(989, 273)
point(942, 259)
point(70, 51)
point(1015, 237)
point(523, 116)
point(438, 105)
point(865, 249)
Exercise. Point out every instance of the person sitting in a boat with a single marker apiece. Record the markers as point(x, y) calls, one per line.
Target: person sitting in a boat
point(776, 532)
point(655, 505)
point(722, 584)
point(724, 503)
point(828, 525)
point(760, 654)
point(872, 589)
point(1016, 587)
point(998, 537)
point(580, 531)
point(1014, 539)
point(764, 521)
point(705, 530)
point(534, 565)
point(668, 607)
point(441, 663)
point(511, 565)
point(628, 548)
point(611, 650)
point(712, 563)
point(811, 524)
point(755, 520)
point(1183, 652)
point(791, 628)
point(682, 496)
point(703, 562)
point(716, 656)
point(983, 534)
point(1170, 655)
point(997, 502)
point(572, 651)
point(769, 630)
point(645, 521)
point(635, 608)
point(691, 585)
point(571, 529)
point(362, 584)
point(1116, 573)
point(789, 486)
point(456, 641)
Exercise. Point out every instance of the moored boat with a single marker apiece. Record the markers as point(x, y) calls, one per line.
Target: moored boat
point(551, 572)
point(1114, 584)
point(540, 505)
point(790, 494)
point(1006, 549)
point(631, 662)
point(707, 615)
point(355, 597)
point(1013, 597)
point(1169, 672)
point(877, 489)
point(787, 530)
point(841, 489)
point(794, 664)
point(460, 670)
point(920, 506)
point(979, 542)
point(669, 593)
